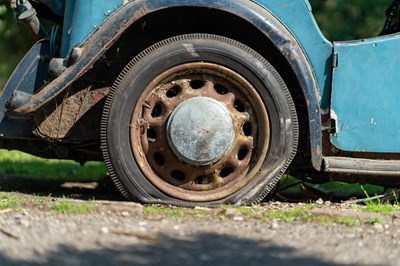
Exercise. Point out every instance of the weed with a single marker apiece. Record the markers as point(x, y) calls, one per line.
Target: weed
point(347, 221)
point(377, 206)
point(8, 201)
point(375, 220)
point(163, 210)
point(71, 208)
point(7, 197)
point(8, 205)
point(292, 215)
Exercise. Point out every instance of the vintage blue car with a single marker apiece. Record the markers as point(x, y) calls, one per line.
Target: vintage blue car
point(204, 102)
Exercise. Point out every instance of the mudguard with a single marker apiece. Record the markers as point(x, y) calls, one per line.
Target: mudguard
point(106, 35)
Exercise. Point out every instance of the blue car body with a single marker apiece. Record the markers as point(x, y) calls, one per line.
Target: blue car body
point(364, 124)
point(348, 91)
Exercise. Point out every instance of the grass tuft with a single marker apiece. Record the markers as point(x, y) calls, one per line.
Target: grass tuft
point(8, 201)
point(71, 208)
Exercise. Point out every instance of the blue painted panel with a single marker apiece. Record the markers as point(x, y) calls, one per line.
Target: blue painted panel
point(366, 95)
point(298, 18)
point(82, 18)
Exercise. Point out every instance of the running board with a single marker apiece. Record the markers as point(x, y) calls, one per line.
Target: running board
point(346, 165)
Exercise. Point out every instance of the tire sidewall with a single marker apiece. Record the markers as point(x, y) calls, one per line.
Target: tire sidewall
point(164, 56)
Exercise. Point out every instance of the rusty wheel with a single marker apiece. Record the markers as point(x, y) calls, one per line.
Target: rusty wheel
point(198, 119)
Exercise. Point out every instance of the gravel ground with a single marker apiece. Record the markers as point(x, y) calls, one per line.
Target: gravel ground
point(122, 233)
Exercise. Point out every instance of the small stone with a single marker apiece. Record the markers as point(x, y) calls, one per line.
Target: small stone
point(328, 203)
point(238, 218)
point(25, 223)
point(202, 208)
point(387, 226)
point(320, 201)
point(105, 230)
point(378, 227)
point(125, 214)
point(232, 212)
point(274, 226)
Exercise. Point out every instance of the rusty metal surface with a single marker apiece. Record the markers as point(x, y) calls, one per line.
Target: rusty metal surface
point(199, 182)
point(103, 39)
point(94, 48)
point(57, 120)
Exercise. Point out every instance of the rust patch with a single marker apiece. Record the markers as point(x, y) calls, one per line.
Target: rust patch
point(94, 48)
point(56, 120)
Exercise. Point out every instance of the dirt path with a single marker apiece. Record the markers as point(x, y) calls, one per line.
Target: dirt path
point(120, 233)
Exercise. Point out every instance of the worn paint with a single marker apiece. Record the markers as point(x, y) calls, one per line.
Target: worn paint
point(82, 18)
point(366, 95)
point(103, 37)
point(305, 29)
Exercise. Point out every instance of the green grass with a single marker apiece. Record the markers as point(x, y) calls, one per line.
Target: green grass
point(71, 208)
point(170, 211)
point(379, 207)
point(19, 163)
point(298, 214)
point(292, 215)
point(8, 201)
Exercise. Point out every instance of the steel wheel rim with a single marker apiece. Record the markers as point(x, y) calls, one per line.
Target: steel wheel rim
point(157, 160)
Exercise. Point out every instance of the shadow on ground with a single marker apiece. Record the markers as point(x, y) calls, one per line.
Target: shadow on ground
point(205, 249)
point(102, 189)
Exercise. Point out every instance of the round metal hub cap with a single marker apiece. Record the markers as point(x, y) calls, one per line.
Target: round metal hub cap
point(200, 131)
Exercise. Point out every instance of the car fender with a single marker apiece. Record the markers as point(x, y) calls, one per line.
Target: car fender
point(270, 25)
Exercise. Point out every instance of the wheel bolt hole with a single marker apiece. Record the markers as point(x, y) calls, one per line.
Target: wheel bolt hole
point(159, 158)
point(220, 89)
point(157, 110)
point(239, 106)
point(247, 129)
point(178, 175)
point(226, 172)
point(196, 84)
point(203, 180)
point(243, 153)
point(151, 134)
point(173, 92)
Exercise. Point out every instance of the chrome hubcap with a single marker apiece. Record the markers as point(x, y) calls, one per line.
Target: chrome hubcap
point(200, 131)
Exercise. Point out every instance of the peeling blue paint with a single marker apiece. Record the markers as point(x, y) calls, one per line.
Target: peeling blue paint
point(82, 18)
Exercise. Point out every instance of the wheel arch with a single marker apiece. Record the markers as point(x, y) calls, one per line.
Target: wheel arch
point(254, 27)
point(137, 25)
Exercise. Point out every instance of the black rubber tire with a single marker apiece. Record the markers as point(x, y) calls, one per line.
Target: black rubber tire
point(116, 146)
